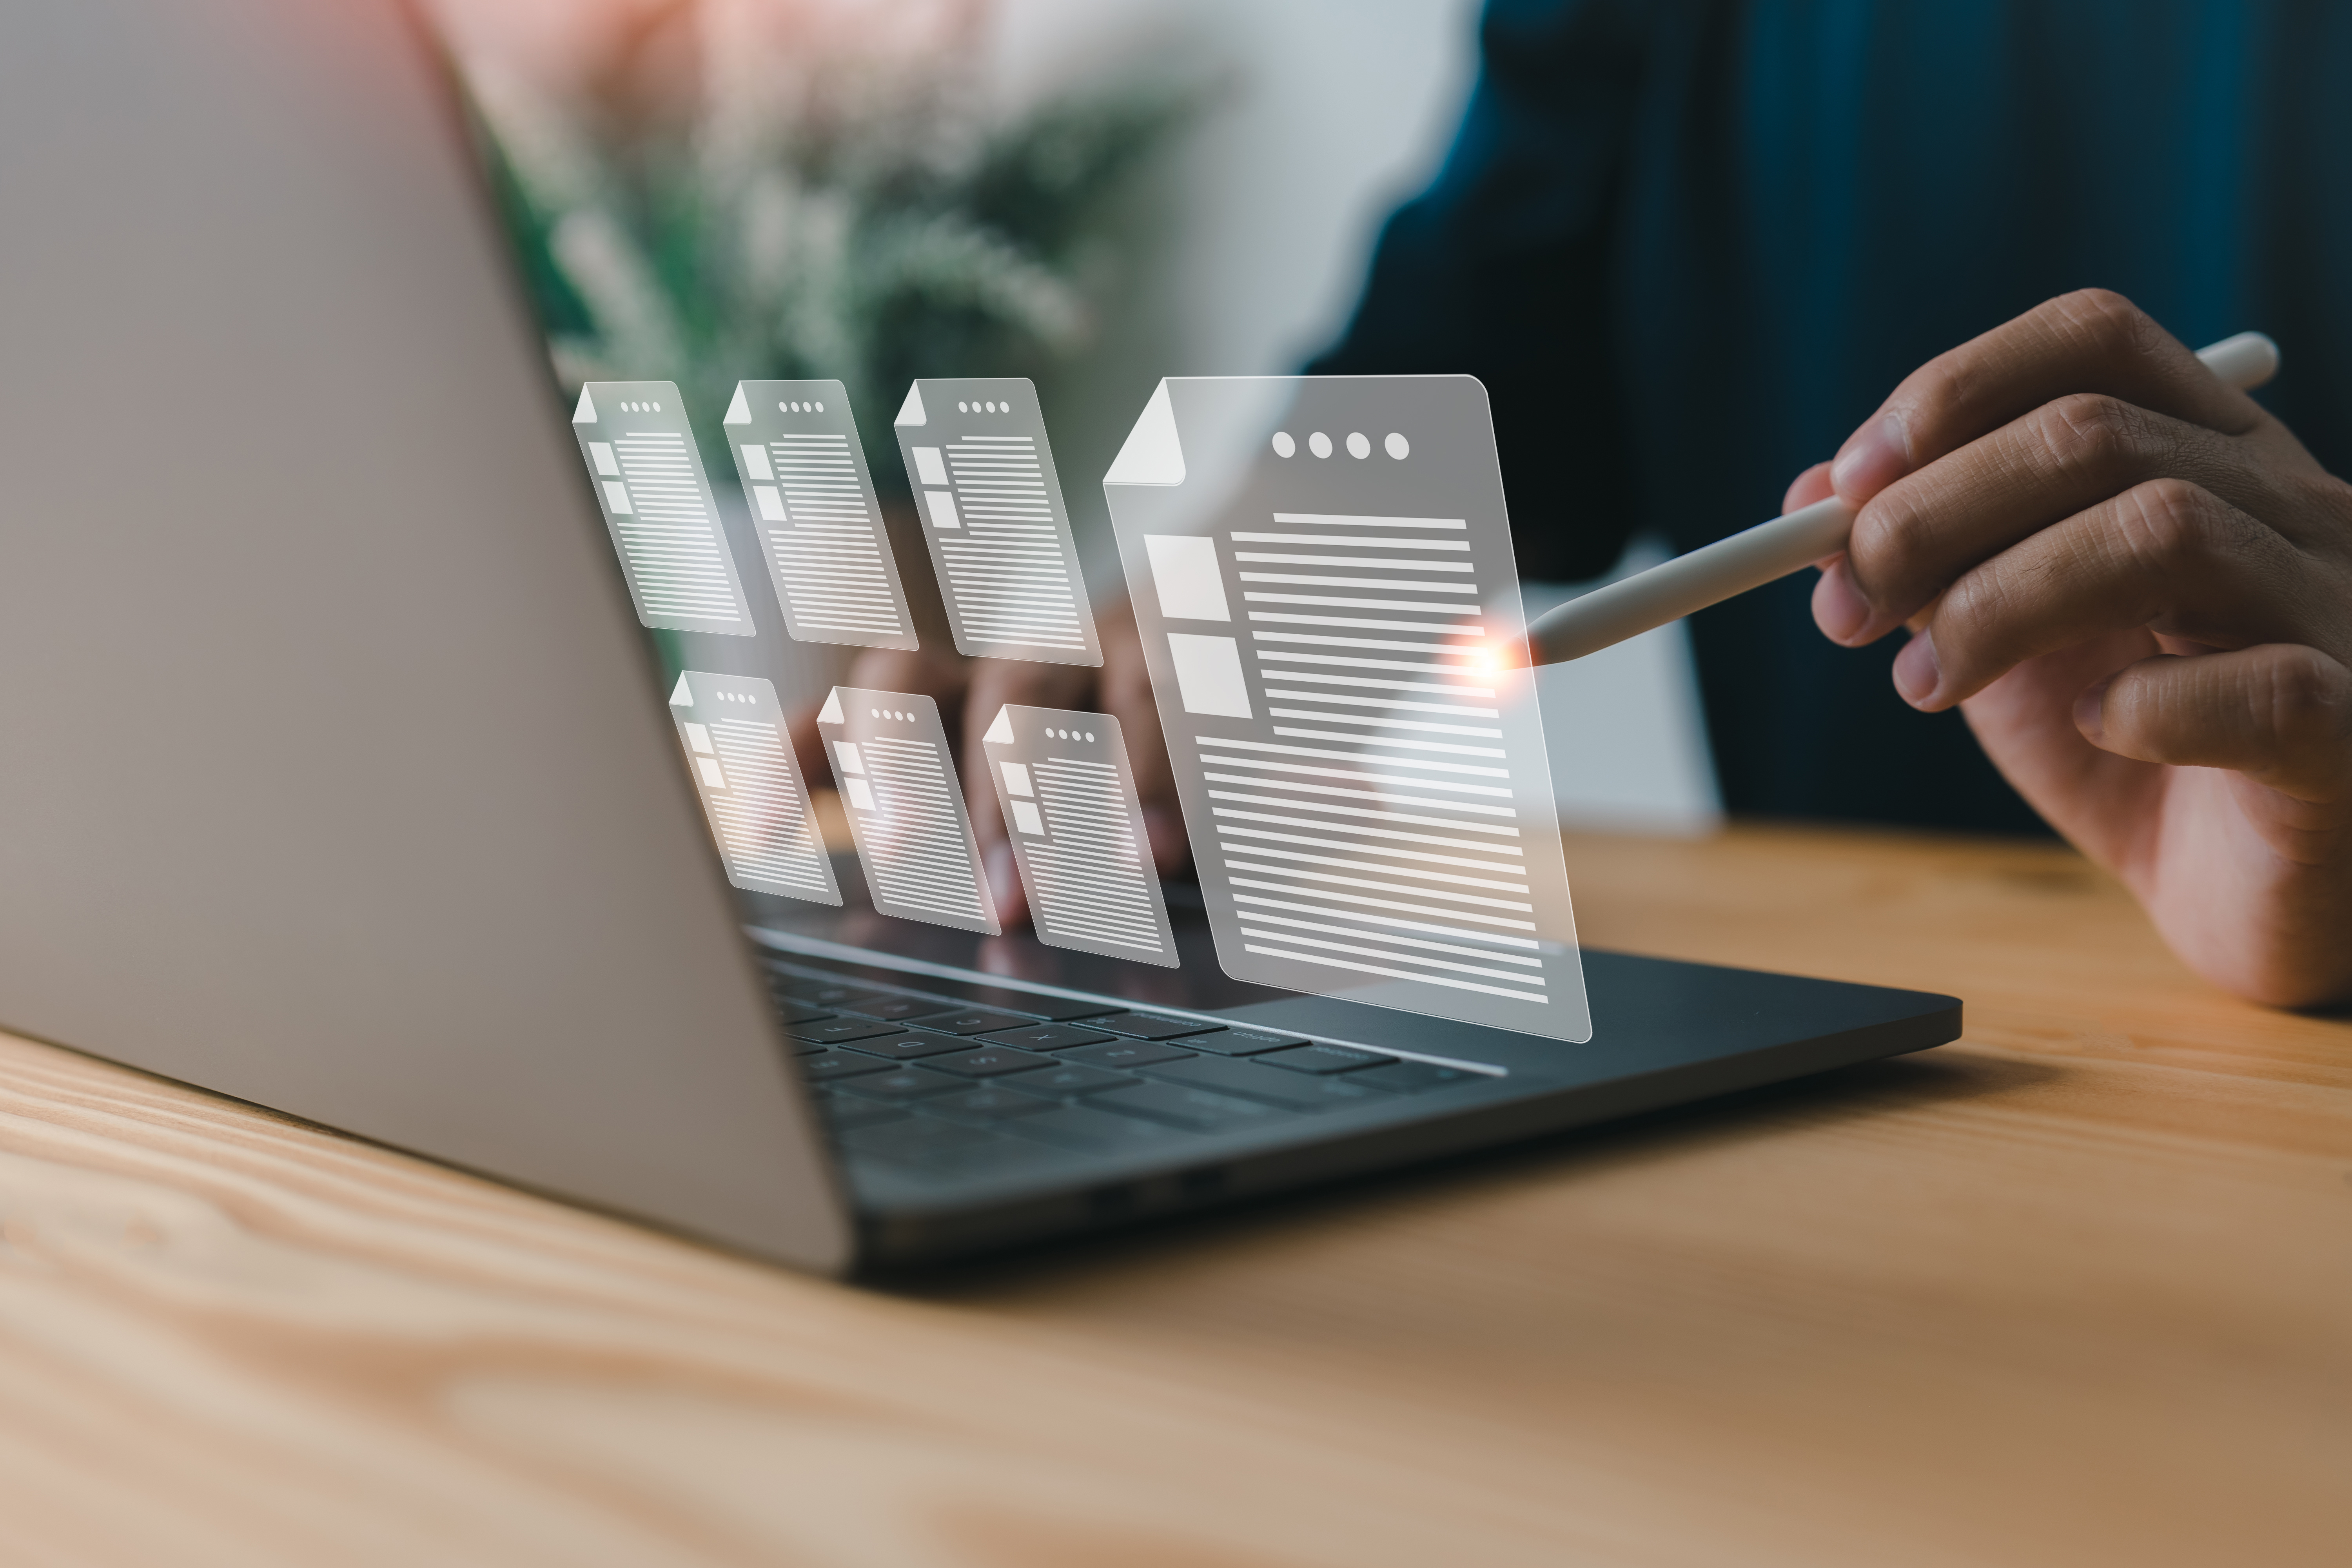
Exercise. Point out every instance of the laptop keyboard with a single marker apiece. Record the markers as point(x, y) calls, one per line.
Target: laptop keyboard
point(958, 1078)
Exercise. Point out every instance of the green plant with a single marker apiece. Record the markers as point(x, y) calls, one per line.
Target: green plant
point(793, 215)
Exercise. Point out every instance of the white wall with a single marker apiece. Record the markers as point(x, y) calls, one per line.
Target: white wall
point(1254, 247)
point(1335, 110)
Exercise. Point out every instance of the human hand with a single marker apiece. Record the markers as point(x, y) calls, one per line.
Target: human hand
point(970, 690)
point(2138, 587)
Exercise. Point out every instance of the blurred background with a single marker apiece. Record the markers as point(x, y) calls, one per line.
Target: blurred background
point(1093, 194)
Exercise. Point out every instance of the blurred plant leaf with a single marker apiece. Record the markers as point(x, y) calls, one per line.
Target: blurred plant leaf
point(871, 233)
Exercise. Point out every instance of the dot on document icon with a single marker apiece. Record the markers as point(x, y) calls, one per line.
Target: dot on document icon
point(1284, 445)
point(1319, 443)
point(1357, 447)
point(1398, 447)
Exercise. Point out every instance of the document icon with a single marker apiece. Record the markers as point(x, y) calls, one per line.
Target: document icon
point(742, 757)
point(1322, 573)
point(993, 518)
point(811, 501)
point(1076, 826)
point(657, 503)
point(900, 790)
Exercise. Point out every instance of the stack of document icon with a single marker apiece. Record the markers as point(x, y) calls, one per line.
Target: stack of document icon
point(657, 503)
point(733, 732)
point(905, 810)
point(995, 519)
point(1070, 808)
point(803, 473)
point(1322, 575)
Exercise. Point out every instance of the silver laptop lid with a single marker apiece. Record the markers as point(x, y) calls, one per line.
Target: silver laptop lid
point(332, 772)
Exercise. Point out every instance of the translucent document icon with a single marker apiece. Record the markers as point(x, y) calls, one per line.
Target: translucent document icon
point(733, 730)
point(906, 808)
point(992, 513)
point(1076, 826)
point(650, 481)
point(1322, 573)
point(803, 473)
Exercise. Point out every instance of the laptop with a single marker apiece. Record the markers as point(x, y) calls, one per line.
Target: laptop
point(338, 775)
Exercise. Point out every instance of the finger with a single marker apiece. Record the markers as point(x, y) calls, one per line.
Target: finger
point(2090, 340)
point(2279, 714)
point(1127, 696)
point(1838, 606)
point(1912, 539)
point(2165, 556)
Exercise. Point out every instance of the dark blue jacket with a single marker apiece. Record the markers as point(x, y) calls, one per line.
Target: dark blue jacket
point(1689, 245)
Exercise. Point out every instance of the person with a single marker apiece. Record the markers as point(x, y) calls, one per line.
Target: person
point(1689, 246)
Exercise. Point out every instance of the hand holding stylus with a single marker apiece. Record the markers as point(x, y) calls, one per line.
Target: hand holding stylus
point(1800, 538)
point(2137, 584)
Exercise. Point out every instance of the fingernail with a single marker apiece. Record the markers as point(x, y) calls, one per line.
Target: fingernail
point(1839, 608)
point(1916, 671)
point(2091, 712)
point(1874, 457)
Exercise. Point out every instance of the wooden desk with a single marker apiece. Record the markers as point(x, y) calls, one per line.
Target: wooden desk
point(2077, 1290)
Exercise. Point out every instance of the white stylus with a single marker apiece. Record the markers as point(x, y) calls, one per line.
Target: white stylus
point(1714, 572)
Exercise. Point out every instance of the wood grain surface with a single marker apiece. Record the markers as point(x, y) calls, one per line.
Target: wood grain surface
point(2076, 1291)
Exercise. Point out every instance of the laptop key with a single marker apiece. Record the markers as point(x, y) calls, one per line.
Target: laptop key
point(833, 1031)
point(1082, 1127)
point(903, 1083)
point(793, 1012)
point(1233, 1040)
point(991, 1103)
point(825, 1066)
point(988, 1062)
point(974, 1021)
point(897, 1008)
point(909, 1044)
point(1193, 1108)
point(1411, 1077)
point(1294, 1091)
point(1126, 1053)
point(1150, 1025)
point(1053, 1009)
point(1068, 1078)
point(1047, 1037)
point(1325, 1058)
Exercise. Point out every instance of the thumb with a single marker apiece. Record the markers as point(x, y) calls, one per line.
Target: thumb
point(1807, 488)
point(2280, 714)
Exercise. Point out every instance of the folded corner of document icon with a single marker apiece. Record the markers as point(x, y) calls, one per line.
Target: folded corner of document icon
point(1322, 576)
